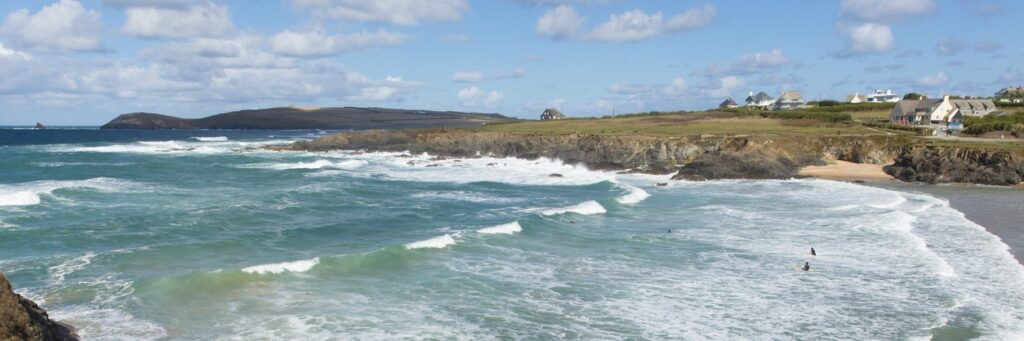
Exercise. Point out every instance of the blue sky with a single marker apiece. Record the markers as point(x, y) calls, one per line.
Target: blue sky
point(86, 61)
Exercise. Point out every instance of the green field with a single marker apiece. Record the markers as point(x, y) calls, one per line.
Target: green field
point(689, 124)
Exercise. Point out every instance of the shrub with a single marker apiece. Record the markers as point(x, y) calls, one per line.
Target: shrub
point(831, 117)
point(981, 125)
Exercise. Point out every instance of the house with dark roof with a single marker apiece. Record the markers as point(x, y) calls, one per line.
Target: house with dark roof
point(760, 100)
point(923, 111)
point(788, 101)
point(728, 103)
point(552, 114)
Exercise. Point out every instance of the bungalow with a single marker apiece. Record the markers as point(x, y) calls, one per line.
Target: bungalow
point(923, 111)
point(552, 114)
point(883, 96)
point(855, 98)
point(789, 100)
point(760, 100)
point(728, 104)
point(974, 107)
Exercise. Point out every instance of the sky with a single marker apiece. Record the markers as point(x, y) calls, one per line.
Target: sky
point(83, 62)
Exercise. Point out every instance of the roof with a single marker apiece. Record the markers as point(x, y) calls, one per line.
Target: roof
point(850, 98)
point(928, 103)
point(974, 104)
point(791, 95)
point(553, 112)
point(728, 102)
point(911, 105)
point(760, 97)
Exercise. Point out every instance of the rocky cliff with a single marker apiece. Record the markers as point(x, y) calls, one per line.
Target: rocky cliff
point(700, 157)
point(932, 164)
point(22, 319)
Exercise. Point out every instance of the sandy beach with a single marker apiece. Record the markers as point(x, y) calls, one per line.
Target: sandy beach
point(843, 170)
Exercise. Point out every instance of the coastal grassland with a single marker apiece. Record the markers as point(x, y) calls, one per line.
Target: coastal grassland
point(719, 123)
point(1011, 146)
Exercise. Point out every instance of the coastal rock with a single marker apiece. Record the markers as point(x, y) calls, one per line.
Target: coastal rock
point(556, 175)
point(931, 164)
point(309, 118)
point(22, 319)
point(739, 166)
point(40, 126)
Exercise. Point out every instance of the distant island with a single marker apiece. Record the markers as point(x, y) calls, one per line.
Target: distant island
point(347, 118)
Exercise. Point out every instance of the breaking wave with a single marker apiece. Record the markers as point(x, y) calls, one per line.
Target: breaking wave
point(586, 208)
point(276, 268)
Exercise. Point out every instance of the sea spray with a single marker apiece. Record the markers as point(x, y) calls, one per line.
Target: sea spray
point(586, 208)
point(432, 243)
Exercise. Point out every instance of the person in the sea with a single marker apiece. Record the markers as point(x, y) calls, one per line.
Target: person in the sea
point(572, 221)
point(807, 266)
point(813, 253)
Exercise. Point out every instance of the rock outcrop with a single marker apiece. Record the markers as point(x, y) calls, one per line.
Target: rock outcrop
point(22, 319)
point(931, 164)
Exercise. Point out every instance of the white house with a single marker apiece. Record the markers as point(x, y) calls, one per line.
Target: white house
point(760, 100)
point(883, 96)
point(789, 100)
point(924, 111)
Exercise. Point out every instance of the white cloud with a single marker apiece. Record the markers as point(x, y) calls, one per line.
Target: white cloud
point(676, 88)
point(748, 64)
point(318, 44)
point(476, 76)
point(950, 46)
point(207, 20)
point(473, 96)
point(455, 38)
point(722, 87)
point(374, 94)
point(562, 22)
point(934, 81)
point(870, 38)
point(988, 46)
point(886, 10)
point(398, 12)
point(152, 3)
point(64, 25)
point(7, 53)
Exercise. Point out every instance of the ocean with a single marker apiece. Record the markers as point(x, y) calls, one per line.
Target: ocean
point(201, 235)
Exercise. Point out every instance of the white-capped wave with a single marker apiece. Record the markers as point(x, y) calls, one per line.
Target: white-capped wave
point(509, 228)
point(276, 268)
point(633, 196)
point(438, 242)
point(167, 147)
point(29, 193)
point(59, 271)
point(318, 164)
point(474, 197)
point(585, 208)
point(211, 138)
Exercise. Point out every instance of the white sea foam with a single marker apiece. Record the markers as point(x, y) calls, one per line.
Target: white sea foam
point(167, 147)
point(211, 138)
point(474, 197)
point(318, 164)
point(438, 242)
point(634, 196)
point(425, 168)
point(276, 268)
point(59, 271)
point(29, 193)
point(586, 208)
point(509, 228)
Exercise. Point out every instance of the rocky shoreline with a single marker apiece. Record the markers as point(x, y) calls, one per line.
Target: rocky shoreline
point(700, 157)
point(22, 319)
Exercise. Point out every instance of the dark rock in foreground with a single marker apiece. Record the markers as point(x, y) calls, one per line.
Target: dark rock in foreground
point(22, 319)
point(931, 164)
point(297, 118)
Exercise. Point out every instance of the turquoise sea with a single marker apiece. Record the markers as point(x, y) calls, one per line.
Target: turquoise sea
point(195, 235)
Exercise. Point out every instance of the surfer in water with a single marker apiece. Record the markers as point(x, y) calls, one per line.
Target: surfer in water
point(813, 253)
point(807, 266)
